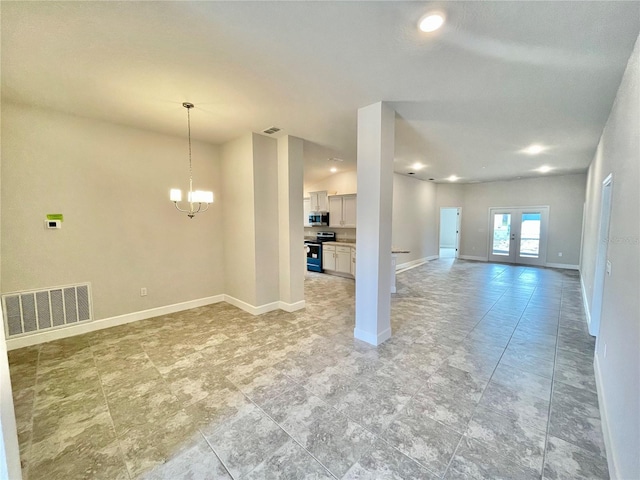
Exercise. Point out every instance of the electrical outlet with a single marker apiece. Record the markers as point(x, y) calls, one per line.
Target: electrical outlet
point(143, 292)
point(559, 254)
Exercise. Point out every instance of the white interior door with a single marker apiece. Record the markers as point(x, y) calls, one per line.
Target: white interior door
point(601, 257)
point(518, 235)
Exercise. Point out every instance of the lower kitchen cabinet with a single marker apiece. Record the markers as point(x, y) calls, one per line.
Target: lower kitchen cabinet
point(343, 259)
point(339, 259)
point(353, 261)
point(328, 257)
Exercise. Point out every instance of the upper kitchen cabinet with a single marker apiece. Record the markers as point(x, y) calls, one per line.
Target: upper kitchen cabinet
point(319, 201)
point(306, 209)
point(342, 211)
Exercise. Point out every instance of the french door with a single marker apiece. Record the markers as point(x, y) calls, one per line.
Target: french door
point(518, 235)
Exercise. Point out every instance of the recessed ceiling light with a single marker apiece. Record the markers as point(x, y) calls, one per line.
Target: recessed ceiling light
point(453, 178)
point(431, 22)
point(534, 149)
point(544, 169)
point(417, 166)
point(333, 170)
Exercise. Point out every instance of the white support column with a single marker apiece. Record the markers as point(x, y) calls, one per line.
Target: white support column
point(376, 132)
point(292, 258)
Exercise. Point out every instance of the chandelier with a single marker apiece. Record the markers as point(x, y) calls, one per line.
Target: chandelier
point(199, 200)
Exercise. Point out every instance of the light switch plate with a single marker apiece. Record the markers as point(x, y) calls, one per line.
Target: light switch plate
point(608, 267)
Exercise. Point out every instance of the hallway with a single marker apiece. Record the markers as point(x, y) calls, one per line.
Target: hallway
point(488, 375)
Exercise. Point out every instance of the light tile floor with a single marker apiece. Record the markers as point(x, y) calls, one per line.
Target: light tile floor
point(488, 375)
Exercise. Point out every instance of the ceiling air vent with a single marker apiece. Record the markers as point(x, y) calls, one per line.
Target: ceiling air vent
point(271, 130)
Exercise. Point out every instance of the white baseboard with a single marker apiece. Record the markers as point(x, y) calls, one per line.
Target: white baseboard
point(415, 263)
point(292, 307)
point(606, 432)
point(372, 338)
point(70, 331)
point(585, 303)
point(566, 266)
point(247, 307)
point(472, 257)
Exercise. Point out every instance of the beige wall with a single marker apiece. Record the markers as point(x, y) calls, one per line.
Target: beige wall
point(564, 194)
point(239, 219)
point(120, 231)
point(265, 171)
point(618, 345)
point(415, 218)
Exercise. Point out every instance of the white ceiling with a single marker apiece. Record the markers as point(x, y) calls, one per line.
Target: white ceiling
point(498, 77)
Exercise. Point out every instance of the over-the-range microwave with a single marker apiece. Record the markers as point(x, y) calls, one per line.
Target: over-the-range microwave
point(318, 219)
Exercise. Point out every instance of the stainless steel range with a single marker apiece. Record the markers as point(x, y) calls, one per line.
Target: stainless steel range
point(314, 250)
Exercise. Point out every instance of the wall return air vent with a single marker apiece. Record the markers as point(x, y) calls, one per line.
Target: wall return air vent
point(37, 310)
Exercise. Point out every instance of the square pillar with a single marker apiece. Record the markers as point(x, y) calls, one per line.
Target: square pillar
point(376, 135)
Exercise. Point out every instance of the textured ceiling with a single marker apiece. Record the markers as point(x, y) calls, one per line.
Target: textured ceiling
point(498, 77)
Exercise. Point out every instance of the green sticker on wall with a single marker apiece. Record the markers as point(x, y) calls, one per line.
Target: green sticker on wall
point(55, 216)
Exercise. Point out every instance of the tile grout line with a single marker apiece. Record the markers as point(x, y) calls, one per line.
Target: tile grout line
point(280, 426)
point(553, 375)
point(33, 412)
point(489, 381)
point(106, 402)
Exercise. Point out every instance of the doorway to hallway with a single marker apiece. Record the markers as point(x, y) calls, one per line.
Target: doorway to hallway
point(449, 232)
point(518, 235)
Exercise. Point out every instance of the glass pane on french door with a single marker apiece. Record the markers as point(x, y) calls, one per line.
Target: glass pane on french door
point(501, 234)
point(530, 235)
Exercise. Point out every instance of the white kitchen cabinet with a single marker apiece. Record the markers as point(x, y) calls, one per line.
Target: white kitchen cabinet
point(307, 210)
point(319, 201)
point(342, 211)
point(343, 259)
point(353, 261)
point(328, 257)
point(339, 259)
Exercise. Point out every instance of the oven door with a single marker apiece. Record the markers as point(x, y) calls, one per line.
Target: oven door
point(314, 256)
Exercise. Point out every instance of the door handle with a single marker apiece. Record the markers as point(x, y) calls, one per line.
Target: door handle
point(513, 236)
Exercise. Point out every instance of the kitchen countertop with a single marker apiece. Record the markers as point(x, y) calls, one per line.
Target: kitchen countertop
point(352, 243)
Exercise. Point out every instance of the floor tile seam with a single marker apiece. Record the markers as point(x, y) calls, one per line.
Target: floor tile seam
point(33, 411)
point(428, 469)
point(602, 455)
point(111, 421)
point(553, 374)
point(215, 453)
point(288, 435)
point(576, 387)
point(509, 459)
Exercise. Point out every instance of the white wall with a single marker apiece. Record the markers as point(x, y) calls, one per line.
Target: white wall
point(337, 184)
point(618, 373)
point(448, 224)
point(120, 231)
point(564, 194)
point(10, 466)
point(415, 218)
